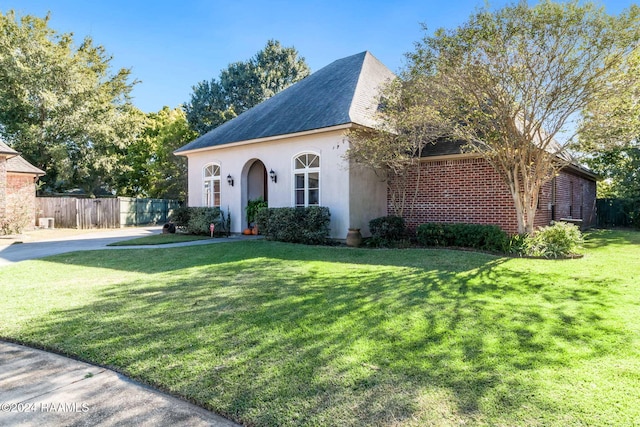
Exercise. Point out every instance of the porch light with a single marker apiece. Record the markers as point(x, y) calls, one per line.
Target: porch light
point(230, 180)
point(273, 176)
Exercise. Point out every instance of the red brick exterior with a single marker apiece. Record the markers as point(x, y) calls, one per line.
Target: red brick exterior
point(3, 185)
point(21, 189)
point(468, 190)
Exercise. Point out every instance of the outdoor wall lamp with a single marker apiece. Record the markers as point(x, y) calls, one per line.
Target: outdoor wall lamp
point(230, 180)
point(273, 176)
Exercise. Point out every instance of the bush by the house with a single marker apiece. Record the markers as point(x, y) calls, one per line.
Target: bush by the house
point(196, 220)
point(308, 225)
point(555, 241)
point(475, 236)
point(17, 219)
point(387, 231)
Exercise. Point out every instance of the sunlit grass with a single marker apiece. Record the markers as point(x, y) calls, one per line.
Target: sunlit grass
point(160, 239)
point(275, 334)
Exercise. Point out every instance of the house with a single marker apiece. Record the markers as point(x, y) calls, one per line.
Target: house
point(289, 150)
point(17, 185)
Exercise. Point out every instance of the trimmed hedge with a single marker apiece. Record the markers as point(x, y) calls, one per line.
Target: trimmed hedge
point(308, 225)
point(387, 231)
point(196, 220)
point(476, 236)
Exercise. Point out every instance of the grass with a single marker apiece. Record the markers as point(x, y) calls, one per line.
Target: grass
point(159, 239)
point(273, 334)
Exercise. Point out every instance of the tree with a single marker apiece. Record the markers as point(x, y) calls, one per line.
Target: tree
point(61, 106)
point(620, 168)
point(511, 83)
point(243, 85)
point(407, 125)
point(152, 169)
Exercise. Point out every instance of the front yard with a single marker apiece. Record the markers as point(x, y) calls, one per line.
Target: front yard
point(268, 333)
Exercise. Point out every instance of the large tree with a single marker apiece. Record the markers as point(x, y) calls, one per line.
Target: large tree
point(151, 168)
point(512, 82)
point(243, 85)
point(61, 106)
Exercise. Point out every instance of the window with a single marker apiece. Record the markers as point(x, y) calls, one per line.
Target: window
point(306, 186)
point(211, 186)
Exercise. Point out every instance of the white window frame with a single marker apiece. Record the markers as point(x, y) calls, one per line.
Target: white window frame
point(209, 196)
point(305, 172)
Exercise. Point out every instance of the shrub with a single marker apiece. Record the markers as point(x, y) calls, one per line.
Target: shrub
point(387, 231)
point(295, 225)
point(475, 236)
point(558, 240)
point(253, 206)
point(196, 220)
point(17, 218)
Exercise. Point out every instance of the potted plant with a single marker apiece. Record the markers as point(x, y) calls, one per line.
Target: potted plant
point(253, 206)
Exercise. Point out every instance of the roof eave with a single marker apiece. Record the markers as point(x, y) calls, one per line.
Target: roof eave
point(268, 139)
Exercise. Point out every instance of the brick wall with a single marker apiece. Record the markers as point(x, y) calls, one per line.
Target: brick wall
point(469, 190)
point(3, 185)
point(575, 197)
point(21, 193)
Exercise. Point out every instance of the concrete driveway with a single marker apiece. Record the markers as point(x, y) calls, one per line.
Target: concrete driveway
point(43, 389)
point(42, 244)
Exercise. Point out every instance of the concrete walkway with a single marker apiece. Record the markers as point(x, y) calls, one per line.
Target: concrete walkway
point(44, 389)
point(18, 251)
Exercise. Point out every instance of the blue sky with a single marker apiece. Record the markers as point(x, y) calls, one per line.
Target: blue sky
point(172, 45)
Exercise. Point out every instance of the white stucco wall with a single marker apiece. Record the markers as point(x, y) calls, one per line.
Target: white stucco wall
point(367, 198)
point(337, 183)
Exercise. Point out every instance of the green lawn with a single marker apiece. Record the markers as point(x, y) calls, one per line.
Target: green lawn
point(276, 334)
point(159, 239)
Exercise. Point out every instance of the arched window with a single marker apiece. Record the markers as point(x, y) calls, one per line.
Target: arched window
point(306, 184)
point(211, 186)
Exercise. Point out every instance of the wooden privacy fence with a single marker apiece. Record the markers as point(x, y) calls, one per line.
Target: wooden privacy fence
point(69, 212)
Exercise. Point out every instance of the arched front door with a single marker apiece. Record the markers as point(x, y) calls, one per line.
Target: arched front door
point(257, 182)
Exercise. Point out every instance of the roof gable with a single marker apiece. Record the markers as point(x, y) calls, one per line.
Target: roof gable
point(345, 91)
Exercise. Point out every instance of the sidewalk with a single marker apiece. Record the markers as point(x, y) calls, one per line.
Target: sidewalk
point(39, 388)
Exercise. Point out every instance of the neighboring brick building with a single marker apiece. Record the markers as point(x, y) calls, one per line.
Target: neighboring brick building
point(17, 185)
point(457, 187)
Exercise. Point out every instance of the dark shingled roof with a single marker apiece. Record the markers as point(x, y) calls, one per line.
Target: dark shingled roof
point(18, 164)
point(345, 91)
point(443, 147)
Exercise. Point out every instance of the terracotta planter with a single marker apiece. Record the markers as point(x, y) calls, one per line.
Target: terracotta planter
point(254, 231)
point(354, 238)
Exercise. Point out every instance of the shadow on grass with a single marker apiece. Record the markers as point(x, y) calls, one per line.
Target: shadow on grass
point(610, 238)
point(272, 334)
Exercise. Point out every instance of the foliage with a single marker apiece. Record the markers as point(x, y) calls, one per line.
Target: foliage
point(268, 333)
point(387, 231)
point(406, 124)
point(18, 216)
point(196, 220)
point(253, 206)
point(620, 168)
point(309, 225)
point(243, 85)
point(62, 107)
point(180, 216)
point(511, 82)
point(558, 240)
point(476, 236)
point(612, 120)
point(151, 168)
